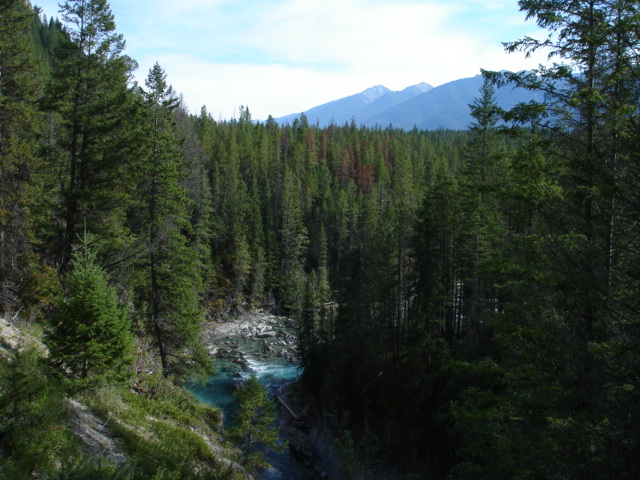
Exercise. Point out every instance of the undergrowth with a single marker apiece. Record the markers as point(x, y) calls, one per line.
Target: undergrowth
point(165, 431)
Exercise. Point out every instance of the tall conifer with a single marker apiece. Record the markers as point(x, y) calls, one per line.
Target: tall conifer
point(95, 135)
point(570, 293)
point(169, 282)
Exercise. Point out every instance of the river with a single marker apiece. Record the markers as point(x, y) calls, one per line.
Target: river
point(256, 351)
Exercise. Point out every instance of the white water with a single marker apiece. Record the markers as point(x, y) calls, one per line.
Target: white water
point(272, 374)
point(275, 375)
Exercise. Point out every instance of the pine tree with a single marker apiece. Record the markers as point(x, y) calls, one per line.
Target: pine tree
point(294, 241)
point(19, 123)
point(481, 225)
point(405, 201)
point(97, 134)
point(202, 225)
point(569, 255)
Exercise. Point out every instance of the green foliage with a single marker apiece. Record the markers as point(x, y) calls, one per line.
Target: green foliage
point(167, 282)
point(358, 461)
point(253, 429)
point(90, 339)
point(485, 282)
point(19, 124)
point(555, 418)
point(164, 435)
point(93, 131)
point(349, 464)
point(90, 470)
point(33, 437)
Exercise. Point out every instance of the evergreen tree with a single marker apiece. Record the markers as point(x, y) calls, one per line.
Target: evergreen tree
point(254, 430)
point(202, 225)
point(33, 437)
point(46, 38)
point(91, 338)
point(96, 136)
point(19, 123)
point(481, 224)
point(169, 283)
point(294, 241)
point(564, 314)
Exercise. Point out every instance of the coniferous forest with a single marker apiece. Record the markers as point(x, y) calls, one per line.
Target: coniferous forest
point(468, 301)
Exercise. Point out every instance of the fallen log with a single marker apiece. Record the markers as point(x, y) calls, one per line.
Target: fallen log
point(295, 416)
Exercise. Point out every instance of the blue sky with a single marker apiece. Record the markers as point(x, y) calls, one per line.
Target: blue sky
point(285, 56)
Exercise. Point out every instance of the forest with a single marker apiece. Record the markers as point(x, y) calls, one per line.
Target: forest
point(468, 301)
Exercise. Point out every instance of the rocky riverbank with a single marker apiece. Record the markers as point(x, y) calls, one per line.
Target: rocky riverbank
point(260, 334)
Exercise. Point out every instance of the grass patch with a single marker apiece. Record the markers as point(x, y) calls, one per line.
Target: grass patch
point(166, 432)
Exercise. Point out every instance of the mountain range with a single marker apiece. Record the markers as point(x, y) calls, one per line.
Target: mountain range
point(421, 106)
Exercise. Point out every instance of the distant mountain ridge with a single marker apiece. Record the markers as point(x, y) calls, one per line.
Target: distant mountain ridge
point(361, 106)
point(421, 106)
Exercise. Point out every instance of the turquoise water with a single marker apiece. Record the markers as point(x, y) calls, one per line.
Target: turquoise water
point(219, 389)
point(275, 375)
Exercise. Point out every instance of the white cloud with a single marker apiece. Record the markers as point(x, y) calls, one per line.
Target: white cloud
point(349, 33)
point(267, 89)
point(285, 56)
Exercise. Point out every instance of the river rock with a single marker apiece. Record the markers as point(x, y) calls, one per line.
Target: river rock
point(253, 332)
point(266, 334)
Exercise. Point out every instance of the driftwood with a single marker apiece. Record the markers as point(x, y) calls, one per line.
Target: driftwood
point(295, 416)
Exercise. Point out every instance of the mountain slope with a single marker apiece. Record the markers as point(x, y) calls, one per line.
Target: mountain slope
point(423, 106)
point(370, 102)
point(446, 106)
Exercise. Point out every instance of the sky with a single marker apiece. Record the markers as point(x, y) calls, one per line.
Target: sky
point(278, 57)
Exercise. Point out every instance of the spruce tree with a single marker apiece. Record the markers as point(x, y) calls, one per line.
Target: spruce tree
point(168, 284)
point(90, 339)
point(254, 430)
